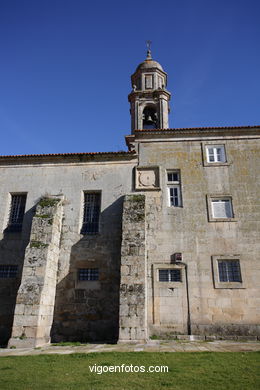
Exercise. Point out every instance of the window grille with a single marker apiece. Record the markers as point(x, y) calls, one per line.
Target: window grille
point(16, 213)
point(229, 271)
point(91, 213)
point(8, 271)
point(88, 274)
point(169, 275)
point(80, 295)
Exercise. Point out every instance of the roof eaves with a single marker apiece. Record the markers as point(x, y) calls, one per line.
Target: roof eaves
point(195, 129)
point(82, 154)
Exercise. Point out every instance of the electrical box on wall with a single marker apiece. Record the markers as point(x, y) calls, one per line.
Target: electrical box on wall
point(177, 257)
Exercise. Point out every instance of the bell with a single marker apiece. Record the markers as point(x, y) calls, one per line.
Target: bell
point(149, 119)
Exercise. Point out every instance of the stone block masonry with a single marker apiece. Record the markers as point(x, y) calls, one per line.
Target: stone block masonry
point(133, 296)
point(36, 295)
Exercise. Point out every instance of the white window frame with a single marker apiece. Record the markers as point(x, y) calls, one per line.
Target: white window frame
point(212, 215)
point(225, 205)
point(219, 154)
point(218, 158)
point(175, 185)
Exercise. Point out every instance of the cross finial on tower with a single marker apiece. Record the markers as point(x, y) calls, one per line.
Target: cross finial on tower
point(149, 55)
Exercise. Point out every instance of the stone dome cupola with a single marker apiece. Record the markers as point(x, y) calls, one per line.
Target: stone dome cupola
point(149, 99)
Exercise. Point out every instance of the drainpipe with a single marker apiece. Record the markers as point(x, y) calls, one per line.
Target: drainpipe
point(188, 300)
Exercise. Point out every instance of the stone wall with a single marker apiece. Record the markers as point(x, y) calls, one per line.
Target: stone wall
point(88, 310)
point(133, 295)
point(84, 310)
point(188, 230)
point(36, 296)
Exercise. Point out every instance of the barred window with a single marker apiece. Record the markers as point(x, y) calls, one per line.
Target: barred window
point(91, 215)
point(16, 213)
point(8, 271)
point(169, 275)
point(88, 274)
point(229, 271)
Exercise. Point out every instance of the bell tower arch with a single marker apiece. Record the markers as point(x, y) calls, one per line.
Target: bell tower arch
point(149, 99)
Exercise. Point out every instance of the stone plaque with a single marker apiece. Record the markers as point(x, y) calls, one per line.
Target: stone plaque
point(147, 178)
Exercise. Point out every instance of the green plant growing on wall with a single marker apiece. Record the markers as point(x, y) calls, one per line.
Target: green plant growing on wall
point(37, 244)
point(48, 202)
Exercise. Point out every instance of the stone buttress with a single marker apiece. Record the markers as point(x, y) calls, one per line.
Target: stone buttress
point(133, 296)
point(36, 295)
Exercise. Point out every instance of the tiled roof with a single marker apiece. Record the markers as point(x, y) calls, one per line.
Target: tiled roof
point(197, 128)
point(70, 154)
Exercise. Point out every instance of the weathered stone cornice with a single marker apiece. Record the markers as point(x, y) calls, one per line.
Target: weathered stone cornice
point(198, 131)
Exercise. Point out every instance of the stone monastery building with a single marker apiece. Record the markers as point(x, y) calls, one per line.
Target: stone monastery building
point(160, 240)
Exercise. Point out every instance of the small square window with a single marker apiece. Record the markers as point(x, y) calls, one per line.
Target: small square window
point(229, 271)
point(173, 177)
point(8, 271)
point(92, 201)
point(169, 275)
point(174, 189)
point(215, 154)
point(89, 274)
point(220, 208)
point(16, 215)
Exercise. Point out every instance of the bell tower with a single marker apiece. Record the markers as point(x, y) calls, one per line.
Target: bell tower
point(149, 99)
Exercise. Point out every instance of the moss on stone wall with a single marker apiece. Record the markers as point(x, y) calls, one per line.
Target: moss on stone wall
point(138, 198)
point(37, 244)
point(43, 216)
point(48, 202)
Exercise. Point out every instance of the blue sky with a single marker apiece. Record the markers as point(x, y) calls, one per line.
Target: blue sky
point(66, 65)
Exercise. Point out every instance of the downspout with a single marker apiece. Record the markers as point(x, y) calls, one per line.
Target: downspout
point(188, 300)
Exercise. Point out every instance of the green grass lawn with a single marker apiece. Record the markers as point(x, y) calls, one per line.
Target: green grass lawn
point(189, 370)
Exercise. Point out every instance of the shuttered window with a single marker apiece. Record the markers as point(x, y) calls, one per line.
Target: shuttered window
point(222, 208)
